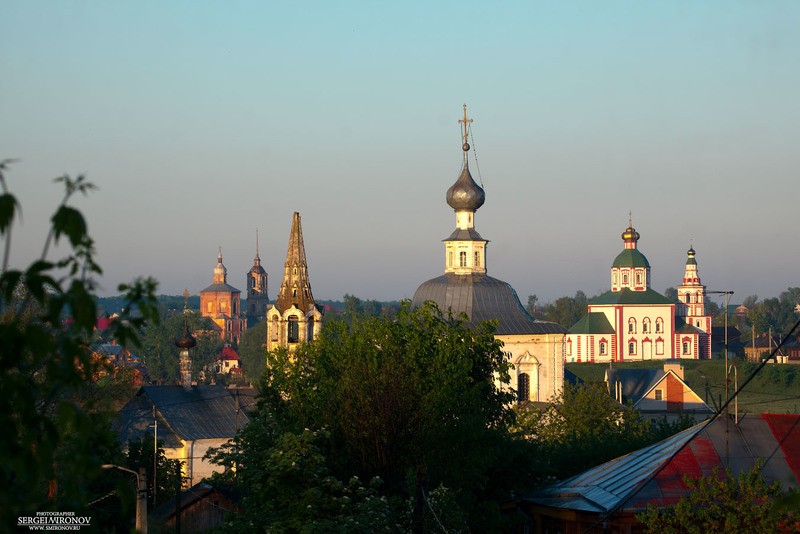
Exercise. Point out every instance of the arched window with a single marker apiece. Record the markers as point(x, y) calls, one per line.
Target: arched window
point(603, 347)
point(292, 332)
point(646, 325)
point(631, 325)
point(310, 333)
point(477, 259)
point(624, 278)
point(523, 387)
point(638, 279)
point(462, 259)
point(659, 326)
point(687, 347)
point(274, 329)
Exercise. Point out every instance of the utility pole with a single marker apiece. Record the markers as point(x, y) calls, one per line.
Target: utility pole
point(141, 494)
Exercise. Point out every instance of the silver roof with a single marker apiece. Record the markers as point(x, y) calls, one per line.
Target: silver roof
point(482, 298)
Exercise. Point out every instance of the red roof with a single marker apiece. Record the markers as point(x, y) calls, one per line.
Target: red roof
point(228, 354)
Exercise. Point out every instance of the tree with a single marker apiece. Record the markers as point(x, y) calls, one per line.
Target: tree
point(723, 503)
point(162, 486)
point(253, 350)
point(531, 307)
point(566, 311)
point(54, 438)
point(672, 294)
point(412, 401)
point(583, 427)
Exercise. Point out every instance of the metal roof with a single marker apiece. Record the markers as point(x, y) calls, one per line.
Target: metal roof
point(201, 412)
point(654, 474)
point(628, 296)
point(635, 382)
point(465, 234)
point(631, 257)
point(220, 288)
point(592, 323)
point(482, 298)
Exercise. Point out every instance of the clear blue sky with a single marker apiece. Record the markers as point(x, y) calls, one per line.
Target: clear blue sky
point(202, 121)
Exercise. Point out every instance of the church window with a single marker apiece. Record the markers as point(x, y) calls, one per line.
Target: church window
point(659, 394)
point(310, 333)
point(274, 329)
point(523, 387)
point(659, 326)
point(614, 278)
point(631, 325)
point(294, 292)
point(638, 279)
point(603, 348)
point(624, 278)
point(293, 333)
point(646, 326)
point(209, 307)
point(450, 258)
point(462, 259)
point(631, 348)
point(569, 347)
point(687, 346)
point(295, 271)
point(659, 346)
point(477, 259)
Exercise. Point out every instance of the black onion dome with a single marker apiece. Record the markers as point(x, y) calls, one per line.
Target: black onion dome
point(465, 194)
point(186, 341)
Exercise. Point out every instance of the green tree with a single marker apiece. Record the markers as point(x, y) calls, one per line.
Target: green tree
point(168, 472)
point(159, 353)
point(531, 306)
point(583, 427)
point(393, 400)
point(672, 294)
point(253, 350)
point(566, 311)
point(55, 437)
point(725, 504)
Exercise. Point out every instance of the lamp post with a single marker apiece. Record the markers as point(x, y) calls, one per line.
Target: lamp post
point(735, 388)
point(141, 495)
point(727, 295)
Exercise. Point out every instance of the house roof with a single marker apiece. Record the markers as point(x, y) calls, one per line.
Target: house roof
point(201, 490)
point(654, 474)
point(220, 288)
point(592, 323)
point(628, 296)
point(228, 354)
point(201, 412)
point(635, 382)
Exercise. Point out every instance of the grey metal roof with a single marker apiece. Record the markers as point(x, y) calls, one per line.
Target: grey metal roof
point(469, 234)
point(465, 194)
point(482, 298)
point(635, 382)
point(220, 288)
point(201, 412)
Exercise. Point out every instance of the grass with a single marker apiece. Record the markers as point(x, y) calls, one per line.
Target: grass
point(776, 389)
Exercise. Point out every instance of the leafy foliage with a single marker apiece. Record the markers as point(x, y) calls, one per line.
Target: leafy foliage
point(724, 503)
point(253, 350)
point(566, 311)
point(585, 427)
point(55, 436)
point(168, 472)
point(385, 399)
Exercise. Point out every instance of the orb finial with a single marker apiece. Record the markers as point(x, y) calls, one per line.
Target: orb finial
point(465, 122)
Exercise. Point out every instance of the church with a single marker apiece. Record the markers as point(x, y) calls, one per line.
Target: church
point(534, 348)
point(222, 303)
point(633, 322)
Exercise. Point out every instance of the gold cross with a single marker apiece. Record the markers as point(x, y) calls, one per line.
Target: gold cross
point(465, 121)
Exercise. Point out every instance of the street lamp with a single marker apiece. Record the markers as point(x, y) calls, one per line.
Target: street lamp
point(141, 495)
point(727, 295)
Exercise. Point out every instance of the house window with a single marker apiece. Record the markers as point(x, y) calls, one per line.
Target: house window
point(659, 325)
point(631, 348)
point(462, 259)
point(523, 387)
point(646, 326)
point(659, 394)
point(293, 333)
point(632, 326)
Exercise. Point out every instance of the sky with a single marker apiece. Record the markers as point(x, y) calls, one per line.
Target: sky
point(201, 122)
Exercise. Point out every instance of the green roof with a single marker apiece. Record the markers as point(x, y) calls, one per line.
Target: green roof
point(627, 296)
point(631, 257)
point(592, 323)
point(682, 327)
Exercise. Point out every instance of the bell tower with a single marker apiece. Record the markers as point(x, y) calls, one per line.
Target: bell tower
point(257, 293)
